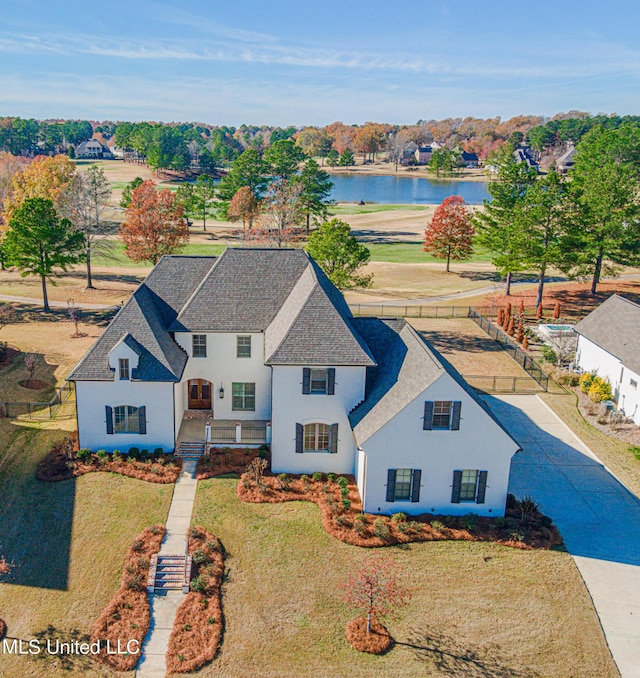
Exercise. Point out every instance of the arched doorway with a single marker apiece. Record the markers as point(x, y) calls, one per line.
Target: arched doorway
point(199, 391)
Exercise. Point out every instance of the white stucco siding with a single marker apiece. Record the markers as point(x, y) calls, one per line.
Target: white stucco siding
point(222, 367)
point(361, 469)
point(290, 407)
point(178, 410)
point(592, 358)
point(121, 350)
point(480, 444)
point(92, 398)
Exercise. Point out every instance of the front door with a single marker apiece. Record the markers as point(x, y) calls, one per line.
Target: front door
point(199, 394)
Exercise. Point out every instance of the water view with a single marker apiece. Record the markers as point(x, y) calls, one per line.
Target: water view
point(404, 190)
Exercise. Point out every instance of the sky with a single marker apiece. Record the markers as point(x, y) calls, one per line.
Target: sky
point(303, 63)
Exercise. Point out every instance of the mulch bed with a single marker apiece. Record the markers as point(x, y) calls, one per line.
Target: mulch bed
point(3, 629)
point(34, 384)
point(376, 642)
point(128, 615)
point(197, 629)
point(628, 432)
point(352, 526)
point(225, 460)
point(62, 463)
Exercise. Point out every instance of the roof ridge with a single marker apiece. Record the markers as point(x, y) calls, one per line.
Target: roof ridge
point(200, 284)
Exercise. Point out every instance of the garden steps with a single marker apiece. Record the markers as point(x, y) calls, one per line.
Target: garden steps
point(169, 572)
point(190, 450)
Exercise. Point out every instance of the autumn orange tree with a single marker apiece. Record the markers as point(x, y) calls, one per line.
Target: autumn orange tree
point(450, 233)
point(155, 224)
point(245, 207)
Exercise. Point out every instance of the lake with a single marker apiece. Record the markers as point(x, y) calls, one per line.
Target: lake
point(404, 190)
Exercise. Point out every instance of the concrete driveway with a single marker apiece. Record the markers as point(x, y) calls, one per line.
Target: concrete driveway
point(597, 516)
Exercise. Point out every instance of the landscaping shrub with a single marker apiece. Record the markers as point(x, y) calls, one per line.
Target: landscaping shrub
point(342, 482)
point(380, 529)
point(600, 390)
point(331, 477)
point(346, 503)
point(102, 456)
point(158, 452)
point(469, 521)
point(585, 381)
point(283, 479)
point(399, 517)
point(134, 452)
point(566, 378)
point(437, 525)
point(317, 477)
point(84, 454)
point(548, 354)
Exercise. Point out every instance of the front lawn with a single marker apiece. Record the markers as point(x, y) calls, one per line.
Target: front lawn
point(477, 609)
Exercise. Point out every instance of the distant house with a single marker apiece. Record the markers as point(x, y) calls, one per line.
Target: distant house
point(525, 154)
point(262, 345)
point(469, 160)
point(608, 345)
point(423, 155)
point(93, 149)
point(409, 153)
point(565, 162)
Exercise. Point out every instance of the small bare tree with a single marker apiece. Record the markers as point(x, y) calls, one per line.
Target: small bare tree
point(564, 344)
point(30, 362)
point(255, 470)
point(74, 317)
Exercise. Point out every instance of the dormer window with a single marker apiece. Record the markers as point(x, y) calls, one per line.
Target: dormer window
point(123, 369)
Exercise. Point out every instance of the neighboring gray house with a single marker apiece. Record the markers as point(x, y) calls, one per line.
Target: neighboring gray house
point(565, 162)
point(469, 160)
point(423, 155)
point(524, 154)
point(261, 344)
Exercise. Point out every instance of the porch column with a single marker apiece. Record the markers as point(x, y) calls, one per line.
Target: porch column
point(268, 433)
point(238, 432)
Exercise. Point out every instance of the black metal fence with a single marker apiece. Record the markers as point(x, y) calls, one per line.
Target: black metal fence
point(525, 361)
point(35, 409)
point(502, 384)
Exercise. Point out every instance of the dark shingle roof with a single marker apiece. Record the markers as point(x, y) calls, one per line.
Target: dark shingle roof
point(407, 366)
point(615, 327)
point(243, 292)
point(140, 325)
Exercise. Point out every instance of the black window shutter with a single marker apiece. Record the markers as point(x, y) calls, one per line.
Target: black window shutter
point(333, 439)
point(427, 423)
point(455, 490)
point(299, 438)
point(455, 419)
point(331, 381)
point(391, 484)
point(482, 487)
point(109, 412)
point(142, 419)
point(415, 485)
point(306, 380)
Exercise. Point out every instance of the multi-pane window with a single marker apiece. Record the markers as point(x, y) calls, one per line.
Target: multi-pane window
point(403, 484)
point(441, 414)
point(318, 381)
point(199, 345)
point(316, 437)
point(123, 366)
point(243, 396)
point(468, 485)
point(633, 383)
point(125, 419)
point(243, 347)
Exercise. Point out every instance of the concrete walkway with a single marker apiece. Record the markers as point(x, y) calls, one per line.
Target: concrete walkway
point(165, 605)
point(598, 517)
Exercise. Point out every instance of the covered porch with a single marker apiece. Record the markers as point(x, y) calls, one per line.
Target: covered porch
point(226, 432)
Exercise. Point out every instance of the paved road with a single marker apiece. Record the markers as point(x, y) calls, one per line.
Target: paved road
point(55, 304)
point(598, 517)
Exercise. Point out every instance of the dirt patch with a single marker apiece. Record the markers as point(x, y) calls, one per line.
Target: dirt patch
point(197, 629)
point(377, 641)
point(225, 460)
point(34, 384)
point(342, 517)
point(8, 355)
point(3, 629)
point(64, 461)
point(126, 618)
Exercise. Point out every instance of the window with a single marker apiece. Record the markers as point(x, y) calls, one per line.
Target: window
point(319, 381)
point(403, 484)
point(243, 396)
point(633, 383)
point(469, 485)
point(123, 364)
point(126, 419)
point(199, 346)
point(316, 437)
point(243, 347)
point(441, 414)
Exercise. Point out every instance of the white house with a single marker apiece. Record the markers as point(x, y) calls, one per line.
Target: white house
point(261, 344)
point(93, 149)
point(609, 345)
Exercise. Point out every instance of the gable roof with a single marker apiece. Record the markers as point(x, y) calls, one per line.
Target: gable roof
point(615, 327)
point(407, 366)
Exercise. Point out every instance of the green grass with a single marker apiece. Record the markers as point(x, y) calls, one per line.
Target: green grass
point(285, 615)
point(117, 257)
point(412, 253)
point(67, 541)
point(348, 208)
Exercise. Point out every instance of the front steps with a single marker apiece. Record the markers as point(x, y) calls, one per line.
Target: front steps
point(190, 450)
point(169, 573)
